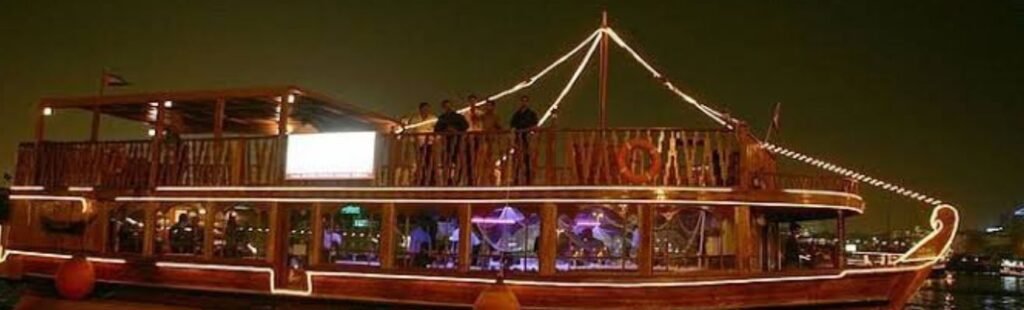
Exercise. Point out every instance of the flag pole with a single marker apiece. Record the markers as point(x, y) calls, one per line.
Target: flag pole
point(774, 124)
point(603, 78)
point(95, 133)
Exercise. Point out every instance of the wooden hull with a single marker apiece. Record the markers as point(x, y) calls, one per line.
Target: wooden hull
point(882, 288)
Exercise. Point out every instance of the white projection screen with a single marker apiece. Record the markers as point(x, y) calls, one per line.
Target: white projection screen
point(330, 156)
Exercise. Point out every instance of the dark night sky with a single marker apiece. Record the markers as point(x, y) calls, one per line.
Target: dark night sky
point(923, 93)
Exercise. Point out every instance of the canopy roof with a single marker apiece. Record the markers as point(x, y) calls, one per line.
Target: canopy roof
point(246, 111)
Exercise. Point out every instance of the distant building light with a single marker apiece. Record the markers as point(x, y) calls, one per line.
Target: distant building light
point(994, 229)
point(47, 111)
point(1019, 211)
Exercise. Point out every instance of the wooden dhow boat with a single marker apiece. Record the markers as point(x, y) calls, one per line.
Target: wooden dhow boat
point(282, 191)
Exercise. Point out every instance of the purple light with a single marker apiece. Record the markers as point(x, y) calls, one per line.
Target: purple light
point(481, 220)
point(588, 223)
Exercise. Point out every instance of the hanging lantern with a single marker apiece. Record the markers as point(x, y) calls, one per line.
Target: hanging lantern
point(76, 278)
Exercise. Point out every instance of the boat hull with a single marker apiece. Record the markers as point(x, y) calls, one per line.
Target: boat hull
point(881, 288)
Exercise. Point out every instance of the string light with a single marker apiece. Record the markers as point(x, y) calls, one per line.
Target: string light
point(524, 84)
point(47, 111)
point(852, 174)
point(572, 81)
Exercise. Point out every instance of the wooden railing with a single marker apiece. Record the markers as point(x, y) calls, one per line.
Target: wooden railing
point(61, 164)
point(650, 156)
point(792, 181)
point(566, 157)
point(232, 161)
point(128, 164)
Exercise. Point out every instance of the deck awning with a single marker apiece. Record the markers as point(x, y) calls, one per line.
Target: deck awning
point(246, 111)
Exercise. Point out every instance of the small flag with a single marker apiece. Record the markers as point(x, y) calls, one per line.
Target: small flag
point(775, 125)
point(111, 79)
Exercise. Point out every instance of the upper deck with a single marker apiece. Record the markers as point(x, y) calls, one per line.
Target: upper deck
point(230, 141)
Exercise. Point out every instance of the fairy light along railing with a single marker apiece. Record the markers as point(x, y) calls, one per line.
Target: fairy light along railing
point(521, 85)
point(795, 181)
point(860, 177)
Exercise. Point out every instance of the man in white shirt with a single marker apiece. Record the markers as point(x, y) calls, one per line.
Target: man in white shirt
point(424, 140)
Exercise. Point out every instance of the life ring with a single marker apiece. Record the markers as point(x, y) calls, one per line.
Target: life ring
point(652, 151)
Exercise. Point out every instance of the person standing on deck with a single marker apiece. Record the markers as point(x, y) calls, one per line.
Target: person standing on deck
point(423, 165)
point(524, 120)
point(484, 120)
point(452, 125)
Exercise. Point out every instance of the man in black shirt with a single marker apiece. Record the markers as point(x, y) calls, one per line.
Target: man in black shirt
point(451, 125)
point(450, 121)
point(524, 120)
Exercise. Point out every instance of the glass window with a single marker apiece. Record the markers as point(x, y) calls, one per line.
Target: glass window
point(351, 234)
point(809, 244)
point(241, 231)
point(127, 228)
point(427, 236)
point(688, 238)
point(597, 237)
point(505, 237)
point(180, 229)
point(300, 235)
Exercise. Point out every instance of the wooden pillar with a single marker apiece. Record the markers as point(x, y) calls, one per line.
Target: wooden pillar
point(387, 236)
point(154, 147)
point(317, 224)
point(37, 153)
point(548, 249)
point(465, 237)
point(645, 254)
point(276, 232)
point(218, 119)
point(744, 237)
point(149, 231)
point(103, 235)
point(282, 134)
point(840, 256)
point(209, 218)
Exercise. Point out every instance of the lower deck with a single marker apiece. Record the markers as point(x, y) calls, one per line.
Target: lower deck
point(549, 254)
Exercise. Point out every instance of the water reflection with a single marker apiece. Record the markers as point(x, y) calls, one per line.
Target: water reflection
point(970, 291)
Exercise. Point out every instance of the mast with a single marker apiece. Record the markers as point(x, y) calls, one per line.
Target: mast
point(603, 86)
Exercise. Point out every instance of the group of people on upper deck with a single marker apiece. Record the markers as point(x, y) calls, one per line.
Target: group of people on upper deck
point(461, 155)
point(483, 117)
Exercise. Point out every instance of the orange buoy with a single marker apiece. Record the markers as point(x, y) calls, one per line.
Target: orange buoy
point(496, 297)
point(621, 158)
point(75, 278)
